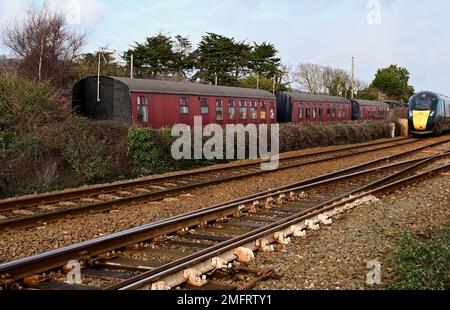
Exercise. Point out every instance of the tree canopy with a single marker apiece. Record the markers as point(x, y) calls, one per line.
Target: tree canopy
point(87, 65)
point(216, 57)
point(161, 56)
point(393, 81)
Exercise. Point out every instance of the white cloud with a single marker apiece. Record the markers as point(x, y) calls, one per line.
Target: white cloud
point(84, 13)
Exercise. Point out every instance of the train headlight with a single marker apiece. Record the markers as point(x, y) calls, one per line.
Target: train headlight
point(432, 114)
point(410, 114)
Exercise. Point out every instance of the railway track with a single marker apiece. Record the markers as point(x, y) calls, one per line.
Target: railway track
point(185, 249)
point(29, 211)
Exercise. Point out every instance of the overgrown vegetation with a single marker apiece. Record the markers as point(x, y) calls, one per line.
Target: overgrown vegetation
point(149, 149)
point(26, 105)
point(298, 136)
point(422, 262)
point(43, 147)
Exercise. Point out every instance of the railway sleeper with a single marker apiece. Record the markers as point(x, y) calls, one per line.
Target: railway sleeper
point(196, 276)
point(192, 275)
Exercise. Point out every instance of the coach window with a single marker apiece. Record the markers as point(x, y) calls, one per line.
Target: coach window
point(334, 112)
point(300, 111)
point(142, 109)
point(313, 113)
point(219, 110)
point(272, 111)
point(184, 105)
point(253, 110)
point(307, 112)
point(320, 112)
point(231, 110)
point(204, 105)
point(242, 109)
point(328, 113)
point(263, 110)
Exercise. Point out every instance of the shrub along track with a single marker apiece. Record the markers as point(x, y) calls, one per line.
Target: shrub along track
point(32, 210)
point(182, 249)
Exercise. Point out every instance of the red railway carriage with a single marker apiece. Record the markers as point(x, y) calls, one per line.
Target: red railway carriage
point(299, 107)
point(369, 110)
point(151, 103)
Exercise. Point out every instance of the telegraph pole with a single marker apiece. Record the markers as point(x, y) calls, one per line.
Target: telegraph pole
point(98, 73)
point(274, 84)
point(131, 65)
point(353, 77)
point(101, 55)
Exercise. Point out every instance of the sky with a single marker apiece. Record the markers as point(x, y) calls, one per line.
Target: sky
point(411, 33)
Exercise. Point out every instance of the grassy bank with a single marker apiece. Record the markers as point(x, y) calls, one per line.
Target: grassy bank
point(422, 261)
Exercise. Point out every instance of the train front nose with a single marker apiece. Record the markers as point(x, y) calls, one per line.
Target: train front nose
point(420, 120)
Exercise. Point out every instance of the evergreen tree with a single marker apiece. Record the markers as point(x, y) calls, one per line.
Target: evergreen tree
point(394, 82)
point(214, 59)
point(161, 56)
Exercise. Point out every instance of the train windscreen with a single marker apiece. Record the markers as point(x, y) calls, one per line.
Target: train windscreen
point(422, 104)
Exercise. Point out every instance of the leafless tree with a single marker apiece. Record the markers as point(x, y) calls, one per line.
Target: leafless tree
point(310, 77)
point(336, 81)
point(45, 46)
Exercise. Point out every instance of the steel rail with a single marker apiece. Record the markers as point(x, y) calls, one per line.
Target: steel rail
point(27, 221)
point(146, 279)
point(153, 196)
point(54, 197)
point(54, 259)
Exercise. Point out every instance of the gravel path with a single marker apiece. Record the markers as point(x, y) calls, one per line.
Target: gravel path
point(336, 256)
point(18, 244)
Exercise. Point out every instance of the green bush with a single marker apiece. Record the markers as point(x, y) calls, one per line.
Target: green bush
point(295, 137)
point(84, 153)
point(422, 263)
point(6, 138)
point(25, 105)
point(150, 149)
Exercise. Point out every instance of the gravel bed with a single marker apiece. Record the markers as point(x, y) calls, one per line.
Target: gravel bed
point(336, 257)
point(15, 244)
